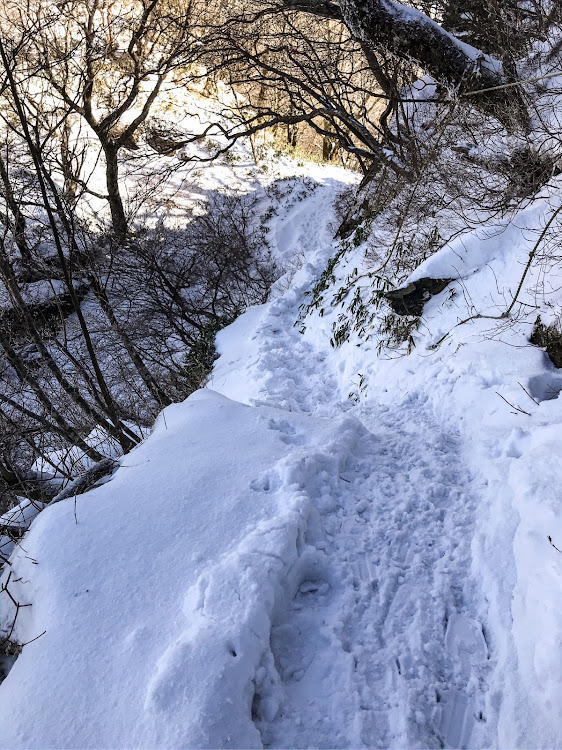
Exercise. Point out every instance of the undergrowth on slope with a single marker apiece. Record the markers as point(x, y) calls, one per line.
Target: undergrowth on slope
point(9, 652)
point(199, 361)
point(361, 298)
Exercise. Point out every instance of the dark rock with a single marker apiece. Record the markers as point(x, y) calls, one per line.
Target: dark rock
point(550, 338)
point(410, 300)
point(47, 312)
point(165, 138)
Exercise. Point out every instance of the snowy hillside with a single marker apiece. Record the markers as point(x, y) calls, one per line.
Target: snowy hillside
point(327, 546)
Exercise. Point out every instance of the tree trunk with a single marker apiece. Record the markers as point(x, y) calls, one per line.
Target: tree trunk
point(63, 426)
point(19, 219)
point(410, 34)
point(148, 379)
point(292, 130)
point(118, 218)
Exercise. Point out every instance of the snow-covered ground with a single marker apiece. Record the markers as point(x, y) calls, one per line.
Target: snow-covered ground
point(280, 564)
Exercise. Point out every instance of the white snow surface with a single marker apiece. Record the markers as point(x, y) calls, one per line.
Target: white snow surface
point(281, 565)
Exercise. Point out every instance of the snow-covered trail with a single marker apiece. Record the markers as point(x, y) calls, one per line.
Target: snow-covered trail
point(382, 644)
point(389, 637)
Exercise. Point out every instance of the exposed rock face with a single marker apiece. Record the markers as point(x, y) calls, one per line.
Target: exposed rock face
point(410, 299)
point(550, 338)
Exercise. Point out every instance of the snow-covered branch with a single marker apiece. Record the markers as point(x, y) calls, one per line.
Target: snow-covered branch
point(408, 32)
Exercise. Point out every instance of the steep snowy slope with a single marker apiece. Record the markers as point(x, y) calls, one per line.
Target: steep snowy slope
point(281, 564)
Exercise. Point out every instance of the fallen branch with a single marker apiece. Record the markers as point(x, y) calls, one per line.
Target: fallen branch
point(517, 408)
point(553, 545)
point(86, 480)
point(79, 486)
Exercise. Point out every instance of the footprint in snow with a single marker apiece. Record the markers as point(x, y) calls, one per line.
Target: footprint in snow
point(288, 432)
point(458, 709)
point(269, 481)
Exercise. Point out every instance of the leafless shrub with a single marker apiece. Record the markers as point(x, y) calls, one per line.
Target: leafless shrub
point(151, 316)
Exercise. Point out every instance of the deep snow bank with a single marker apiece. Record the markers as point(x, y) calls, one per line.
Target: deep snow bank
point(156, 598)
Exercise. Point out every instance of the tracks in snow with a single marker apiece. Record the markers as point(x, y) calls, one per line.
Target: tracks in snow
point(378, 641)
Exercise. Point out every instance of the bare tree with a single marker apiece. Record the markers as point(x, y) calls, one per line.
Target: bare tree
point(105, 63)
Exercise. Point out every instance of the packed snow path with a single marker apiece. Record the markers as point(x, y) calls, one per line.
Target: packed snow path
point(383, 629)
point(381, 645)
